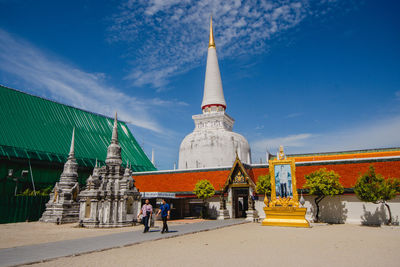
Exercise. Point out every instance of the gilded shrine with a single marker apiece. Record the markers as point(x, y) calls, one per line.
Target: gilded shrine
point(283, 208)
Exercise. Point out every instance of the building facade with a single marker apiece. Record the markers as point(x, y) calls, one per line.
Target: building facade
point(235, 185)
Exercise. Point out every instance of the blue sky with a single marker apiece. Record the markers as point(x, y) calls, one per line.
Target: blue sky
point(313, 76)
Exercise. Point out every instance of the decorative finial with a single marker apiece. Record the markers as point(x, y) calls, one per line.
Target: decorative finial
point(280, 155)
point(211, 42)
point(72, 149)
point(95, 165)
point(114, 137)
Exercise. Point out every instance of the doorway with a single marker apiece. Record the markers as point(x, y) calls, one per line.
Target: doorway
point(240, 202)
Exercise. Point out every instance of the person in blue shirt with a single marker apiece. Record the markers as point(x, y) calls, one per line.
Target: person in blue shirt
point(165, 214)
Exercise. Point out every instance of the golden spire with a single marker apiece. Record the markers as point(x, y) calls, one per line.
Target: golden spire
point(211, 43)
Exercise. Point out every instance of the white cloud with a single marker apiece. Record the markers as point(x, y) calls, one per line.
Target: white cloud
point(50, 77)
point(293, 115)
point(173, 34)
point(297, 140)
point(374, 134)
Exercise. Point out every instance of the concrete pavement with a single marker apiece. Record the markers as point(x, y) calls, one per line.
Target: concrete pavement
point(47, 251)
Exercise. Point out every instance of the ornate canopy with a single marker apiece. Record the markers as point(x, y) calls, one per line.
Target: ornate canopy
point(238, 177)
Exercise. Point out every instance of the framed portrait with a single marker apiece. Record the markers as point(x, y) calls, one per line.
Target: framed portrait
point(283, 180)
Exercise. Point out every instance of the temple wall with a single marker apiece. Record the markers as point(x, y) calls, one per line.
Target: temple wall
point(213, 207)
point(346, 209)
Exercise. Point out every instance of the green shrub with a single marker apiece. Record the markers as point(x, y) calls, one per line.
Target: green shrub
point(204, 190)
point(263, 185)
point(322, 183)
point(373, 187)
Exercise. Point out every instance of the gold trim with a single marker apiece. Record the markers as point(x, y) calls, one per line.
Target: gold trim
point(289, 216)
point(284, 202)
point(229, 181)
point(55, 195)
point(211, 43)
point(240, 185)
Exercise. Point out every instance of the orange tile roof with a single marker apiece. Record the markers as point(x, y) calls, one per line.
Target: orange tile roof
point(349, 155)
point(179, 181)
point(350, 172)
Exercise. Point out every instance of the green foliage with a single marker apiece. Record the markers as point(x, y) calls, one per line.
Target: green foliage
point(372, 187)
point(263, 185)
point(204, 189)
point(389, 189)
point(41, 192)
point(369, 186)
point(323, 183)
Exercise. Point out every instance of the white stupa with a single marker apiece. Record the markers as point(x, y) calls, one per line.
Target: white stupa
point(213, 143)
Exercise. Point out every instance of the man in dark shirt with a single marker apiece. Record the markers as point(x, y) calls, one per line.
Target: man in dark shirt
point(165, 213)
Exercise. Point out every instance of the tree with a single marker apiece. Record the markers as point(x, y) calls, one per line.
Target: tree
point(322, 183)
point(204, 190)
point(263, 185)
point(373, 187)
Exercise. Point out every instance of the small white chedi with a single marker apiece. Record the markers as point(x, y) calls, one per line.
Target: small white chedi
point(110, 198)
point(213, 143)
point(63, 206)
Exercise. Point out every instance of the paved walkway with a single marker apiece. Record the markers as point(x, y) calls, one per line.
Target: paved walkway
point(44, 252)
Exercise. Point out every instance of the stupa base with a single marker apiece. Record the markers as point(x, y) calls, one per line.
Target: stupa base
point(285, 216)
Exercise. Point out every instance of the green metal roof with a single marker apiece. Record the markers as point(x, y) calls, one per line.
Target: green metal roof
point(36, 128)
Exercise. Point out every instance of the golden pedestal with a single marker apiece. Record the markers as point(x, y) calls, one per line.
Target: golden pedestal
point(285, 216)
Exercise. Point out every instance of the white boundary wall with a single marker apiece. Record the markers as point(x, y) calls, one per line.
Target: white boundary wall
point(346, 209)
point(338, 209)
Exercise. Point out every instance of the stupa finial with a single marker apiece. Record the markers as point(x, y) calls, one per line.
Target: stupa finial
point(72, 149)
point(114, 149)
point(114, 137)
point(211, 42)
point(213, 97)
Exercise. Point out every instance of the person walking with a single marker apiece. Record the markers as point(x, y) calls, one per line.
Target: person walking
point(165, 214)
point(147, 212)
